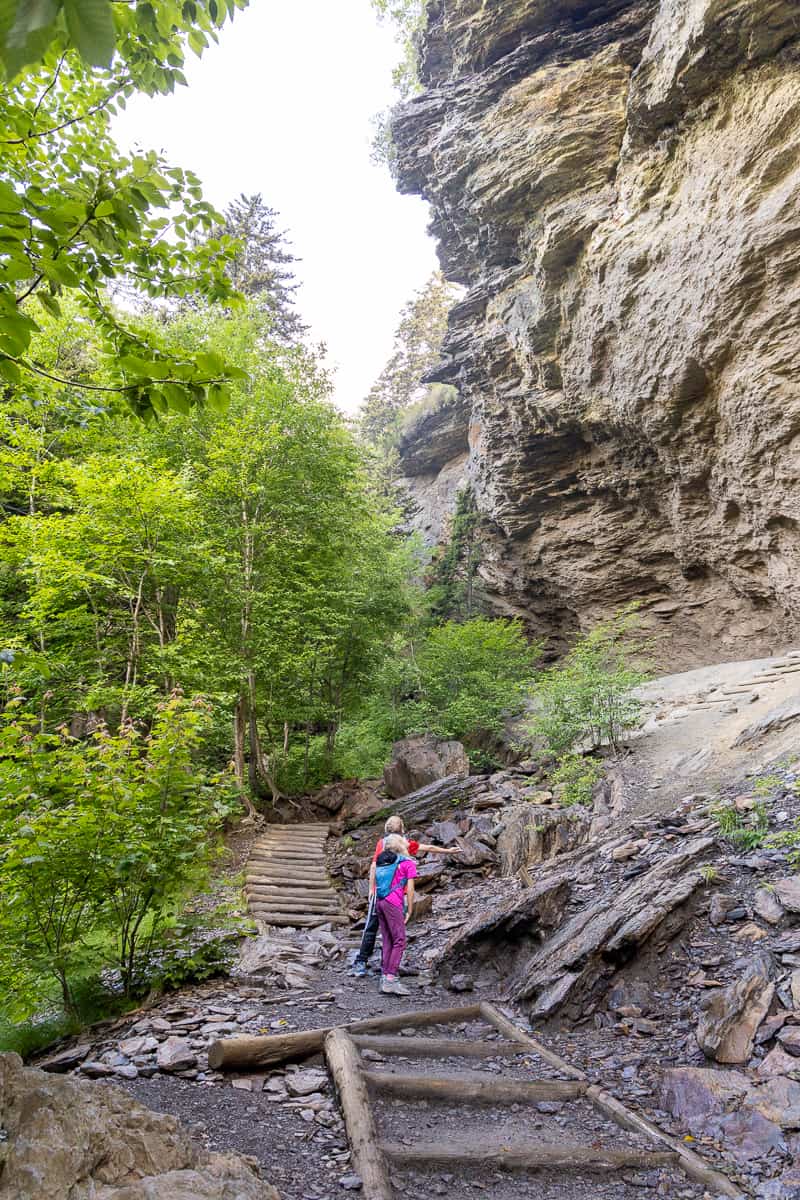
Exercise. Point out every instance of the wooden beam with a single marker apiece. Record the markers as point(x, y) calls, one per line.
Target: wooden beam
point(250, 1053)
point(296, 920)
point(511, 1031)
point(344, 1063)
point(489, 1091)
point(425, 1047)
point(565, 1156)
point(691, 1163)
point(290, 879)
point(694, 1166)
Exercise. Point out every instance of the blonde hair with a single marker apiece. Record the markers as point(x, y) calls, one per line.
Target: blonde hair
point(396, 843)
point(394, 825)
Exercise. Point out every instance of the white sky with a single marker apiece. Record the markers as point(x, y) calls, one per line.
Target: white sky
point(282, 106)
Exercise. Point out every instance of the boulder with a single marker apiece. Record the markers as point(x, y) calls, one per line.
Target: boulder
point(721, 1105)
point(419, 761)
point(727, 1029)
point(768, 906)
point(67, 1137)
point(778, 1062)
point(787, 892)
point(303, 1083)
point(533, 835)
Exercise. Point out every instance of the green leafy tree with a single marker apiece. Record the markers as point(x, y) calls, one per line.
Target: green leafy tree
point(588, 698)
point(98, 838)
point(78, 216)
point(261, 266)
point(417, 347)
point(474, 676)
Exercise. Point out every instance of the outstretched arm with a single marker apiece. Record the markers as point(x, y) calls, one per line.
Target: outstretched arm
point(423, 849)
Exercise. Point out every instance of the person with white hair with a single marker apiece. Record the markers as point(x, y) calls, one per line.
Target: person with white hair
point(395, 872)
point(394, 824)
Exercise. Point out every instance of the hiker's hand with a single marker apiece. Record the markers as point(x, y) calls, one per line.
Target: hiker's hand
point(408, 917)
point(457, 850)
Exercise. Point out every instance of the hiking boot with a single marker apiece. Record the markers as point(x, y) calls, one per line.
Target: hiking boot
point(393, 987)
point(359, 969)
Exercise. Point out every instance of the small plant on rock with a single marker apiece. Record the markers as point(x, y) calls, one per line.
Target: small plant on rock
point(577, 776)
point(747, 830)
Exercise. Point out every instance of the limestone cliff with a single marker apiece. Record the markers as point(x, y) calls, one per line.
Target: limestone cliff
point(616, 184)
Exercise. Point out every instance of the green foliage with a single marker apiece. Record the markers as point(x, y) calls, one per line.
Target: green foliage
point(417, 347)
point(97, 838)
point(461, 680)
point(261, 266)
point(452, 593)
point(78, 217)
point(747, 830)
point(578, 775)
point(193, 949)
point(588, 696)
point(408, 18)
point(767, 785)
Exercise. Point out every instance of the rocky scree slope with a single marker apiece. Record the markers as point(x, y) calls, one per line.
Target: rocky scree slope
point(615, 183)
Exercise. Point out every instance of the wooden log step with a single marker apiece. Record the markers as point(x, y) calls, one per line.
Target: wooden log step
point(343, 1060)
point(293, 860)
point(489, 1091)
point(278, 881)
point(250, 1052)
point(565, 1156)
point(288, 853)
point(297, 920)
point(291, 893)
point(281, 903)
point(316, 842)
point(310, 908)
point(422, 1047)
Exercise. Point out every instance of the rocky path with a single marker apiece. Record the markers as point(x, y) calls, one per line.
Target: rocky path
point(286, 879)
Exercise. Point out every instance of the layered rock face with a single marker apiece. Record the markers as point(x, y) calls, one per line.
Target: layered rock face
point(617, 185)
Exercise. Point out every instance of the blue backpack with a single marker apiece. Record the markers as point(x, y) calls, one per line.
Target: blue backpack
point(384, 878)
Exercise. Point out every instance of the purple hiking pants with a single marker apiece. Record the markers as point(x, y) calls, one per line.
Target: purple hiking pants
point(393, 936)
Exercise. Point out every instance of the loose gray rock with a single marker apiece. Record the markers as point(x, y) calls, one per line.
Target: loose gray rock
point(175, 1054)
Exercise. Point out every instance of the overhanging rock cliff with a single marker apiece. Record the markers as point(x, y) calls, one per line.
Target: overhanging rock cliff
point(617, 186)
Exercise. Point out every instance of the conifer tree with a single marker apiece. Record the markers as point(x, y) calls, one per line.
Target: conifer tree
point(261, 269)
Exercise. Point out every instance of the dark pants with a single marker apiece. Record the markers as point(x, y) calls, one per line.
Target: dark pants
point(370, 932)
point(393, 936)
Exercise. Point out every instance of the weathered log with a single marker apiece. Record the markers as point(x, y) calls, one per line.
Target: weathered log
point(344, 1064)
point(515, 1034)
point(528, 1156)
point(424, 1047)
point(488, 1091)
point(295, 895)
point(286, 904)
point(250, 1053)
point(297, 920)
point(292, 888)
point(692, 1164)
point(418, 808)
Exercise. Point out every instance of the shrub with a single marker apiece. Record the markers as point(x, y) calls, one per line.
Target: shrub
point(588, 698)
point(99, 840)
point(578, 775)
